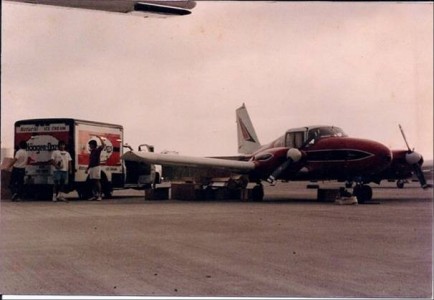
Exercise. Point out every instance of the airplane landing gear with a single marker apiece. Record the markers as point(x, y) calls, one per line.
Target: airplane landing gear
point(400, 183)
point(363, 192)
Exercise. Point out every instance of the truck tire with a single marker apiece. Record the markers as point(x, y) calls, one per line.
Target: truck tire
point(84, 190)
point(43, 192)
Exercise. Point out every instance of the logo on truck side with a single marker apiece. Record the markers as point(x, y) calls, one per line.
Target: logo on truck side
point(41, 146)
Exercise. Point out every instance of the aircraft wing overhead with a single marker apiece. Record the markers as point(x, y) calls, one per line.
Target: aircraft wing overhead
point(175, 7)
point(241, 167)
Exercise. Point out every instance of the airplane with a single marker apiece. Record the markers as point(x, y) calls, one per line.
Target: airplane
point(145, 8)
point(309, 153)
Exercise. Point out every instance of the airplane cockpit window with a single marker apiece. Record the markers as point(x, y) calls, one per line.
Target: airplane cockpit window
point(294, 139)
point(325, 131)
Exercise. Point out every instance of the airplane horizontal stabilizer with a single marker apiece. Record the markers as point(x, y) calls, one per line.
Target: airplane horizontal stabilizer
point(241, 167)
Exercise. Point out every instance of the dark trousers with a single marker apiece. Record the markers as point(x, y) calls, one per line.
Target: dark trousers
point(17, 181)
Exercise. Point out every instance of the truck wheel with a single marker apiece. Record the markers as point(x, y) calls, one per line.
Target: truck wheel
point(44, 192)
point(108, 195)
point(84, 190)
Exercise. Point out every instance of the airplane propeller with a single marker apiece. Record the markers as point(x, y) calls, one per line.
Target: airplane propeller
point(415, 160)
point(293, 155)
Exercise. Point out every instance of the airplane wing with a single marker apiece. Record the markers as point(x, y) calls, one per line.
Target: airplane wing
point(241, 167)
point(174, 7)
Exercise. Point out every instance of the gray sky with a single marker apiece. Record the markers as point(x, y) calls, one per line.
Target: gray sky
point(176, 82)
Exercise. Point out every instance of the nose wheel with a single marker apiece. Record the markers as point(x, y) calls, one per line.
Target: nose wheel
point(363, 193)
point(400, 183)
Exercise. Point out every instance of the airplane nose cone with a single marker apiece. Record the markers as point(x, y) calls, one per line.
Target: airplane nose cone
point(413, 158)
point(382, 154)
point(386, 155)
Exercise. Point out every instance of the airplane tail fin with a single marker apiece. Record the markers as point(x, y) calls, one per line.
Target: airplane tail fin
point(247, 140)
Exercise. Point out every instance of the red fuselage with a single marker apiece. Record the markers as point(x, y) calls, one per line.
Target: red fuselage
point(328, 158)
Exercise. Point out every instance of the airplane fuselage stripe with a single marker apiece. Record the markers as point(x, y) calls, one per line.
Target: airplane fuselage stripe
point(335, 156)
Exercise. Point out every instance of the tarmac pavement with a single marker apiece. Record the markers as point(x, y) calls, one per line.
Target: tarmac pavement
point(287, 246)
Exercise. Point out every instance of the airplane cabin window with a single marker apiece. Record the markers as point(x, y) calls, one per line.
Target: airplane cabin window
point(289, 141)
point(294, 139)
point(329, 131)
point(299, 138)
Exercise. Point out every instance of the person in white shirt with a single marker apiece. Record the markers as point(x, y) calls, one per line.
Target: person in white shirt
point(61, 162)
point(18, 165)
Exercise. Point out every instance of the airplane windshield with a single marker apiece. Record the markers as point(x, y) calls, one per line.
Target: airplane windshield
point(326, 131)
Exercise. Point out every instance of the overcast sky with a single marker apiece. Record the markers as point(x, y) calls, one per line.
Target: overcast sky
point(176, 82)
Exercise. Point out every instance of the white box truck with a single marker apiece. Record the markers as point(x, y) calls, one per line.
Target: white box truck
point(42, 137)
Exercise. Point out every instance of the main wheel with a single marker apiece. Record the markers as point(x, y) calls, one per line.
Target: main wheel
point(400, 184)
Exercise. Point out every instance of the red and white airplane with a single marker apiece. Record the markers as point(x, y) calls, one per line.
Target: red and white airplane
point(305, 153)
point(145, 8)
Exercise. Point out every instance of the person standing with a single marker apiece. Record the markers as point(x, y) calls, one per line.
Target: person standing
point(18, 165)
point(94, 168)
point(61, 162)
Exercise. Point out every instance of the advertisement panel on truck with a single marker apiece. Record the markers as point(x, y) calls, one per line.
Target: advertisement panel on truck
point(111, 163)
point(41, 141)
